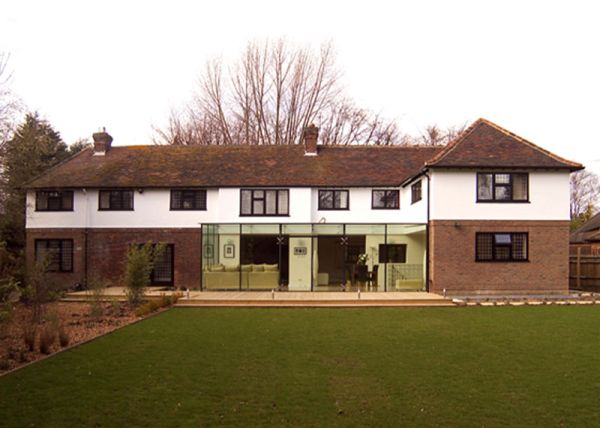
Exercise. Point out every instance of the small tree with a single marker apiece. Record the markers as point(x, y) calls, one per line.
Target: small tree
point(39, 289)
point(138, 267)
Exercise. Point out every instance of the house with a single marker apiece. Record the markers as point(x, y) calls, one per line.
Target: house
point(586, 238)
point(488, 214)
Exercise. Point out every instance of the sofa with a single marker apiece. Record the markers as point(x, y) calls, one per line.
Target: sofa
point(252, 276)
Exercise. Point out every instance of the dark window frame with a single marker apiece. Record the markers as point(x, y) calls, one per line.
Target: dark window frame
point(61, 194)
point(333, 193)
point(509, 185)
point(416, 192)
point(385, 207)
point(193, 198)
point(384, 253)
point(495, 246)
point(122, 192)
point(264, 199)
point(60, 253)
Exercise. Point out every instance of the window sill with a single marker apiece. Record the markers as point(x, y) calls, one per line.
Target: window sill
point(502, 202)
point(54, 211)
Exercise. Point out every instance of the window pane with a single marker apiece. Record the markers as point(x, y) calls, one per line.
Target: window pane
point(258, 207)
point(176, 199)
point(502, 238)
point(40, 251)
point(246, 202)
point(503, 253)
point(271, 201)
point(41, 201)
point(283, 202)
point(502, 193)
point(104, 200)
point(378, 199)
point(200, 199)
point(502, 178)
point(484, 187)
point(520, 187)
point(259, 194)
point(163, 267)
point(66, 256)
point(127, 200)
point(53, 249)
point(484, 246)
point(67, 200)
point(326, 199)
point(392, 197)
point(519, 246)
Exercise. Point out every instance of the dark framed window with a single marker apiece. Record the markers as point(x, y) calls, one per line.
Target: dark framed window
point(501, 247)
point(392, 253)
point(58, 253)
point(416, 192)
point(385, 199)
point(334, 199)
point(115, 200)
point(188, 199)
point(264, 202)
point(503, 187)
point(54, 200)
point(163, 267)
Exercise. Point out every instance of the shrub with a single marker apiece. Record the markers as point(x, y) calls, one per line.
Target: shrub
point(4, 364)
point(29, 332)
point(40, 289)
point(96, 288)
point(63, 336)
point(47, 338)
point(115, 307)
point(9, 295)
point(143, 310)
point(138, 267)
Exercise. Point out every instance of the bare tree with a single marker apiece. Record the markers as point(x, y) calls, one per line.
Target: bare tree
point(585, 191)
point(10, 105)
point(268, 96)
point(436, 136)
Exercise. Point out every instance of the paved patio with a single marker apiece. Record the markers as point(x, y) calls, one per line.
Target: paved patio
point(281, 298)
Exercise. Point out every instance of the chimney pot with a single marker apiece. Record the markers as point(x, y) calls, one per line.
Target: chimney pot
point(311, 135)
point(102, 142)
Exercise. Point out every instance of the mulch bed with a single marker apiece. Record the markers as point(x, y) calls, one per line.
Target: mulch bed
point(76, 319)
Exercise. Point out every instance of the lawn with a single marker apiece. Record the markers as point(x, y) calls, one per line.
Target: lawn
point(525, 366)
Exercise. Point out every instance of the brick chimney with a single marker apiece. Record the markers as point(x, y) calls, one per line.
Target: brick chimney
point(310, 135)
point(102, 142)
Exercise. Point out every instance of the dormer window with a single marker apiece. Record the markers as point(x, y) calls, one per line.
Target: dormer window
point(54, 200)
point(502, 187)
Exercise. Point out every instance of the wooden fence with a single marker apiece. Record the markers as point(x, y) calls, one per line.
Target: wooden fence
point(584, 271)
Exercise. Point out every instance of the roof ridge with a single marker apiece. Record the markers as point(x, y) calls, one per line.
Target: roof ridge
point(452, 145)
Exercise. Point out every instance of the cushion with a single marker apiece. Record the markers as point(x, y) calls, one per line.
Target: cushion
point(246, 268)
point(216, 268)
point(258, 268)
point(271, 268)
point(234, 268)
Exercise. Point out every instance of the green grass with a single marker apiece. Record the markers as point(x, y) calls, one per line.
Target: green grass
point(517, 366)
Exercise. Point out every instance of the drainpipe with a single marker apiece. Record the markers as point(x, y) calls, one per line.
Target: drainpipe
point(85, 241)
point(427, 254)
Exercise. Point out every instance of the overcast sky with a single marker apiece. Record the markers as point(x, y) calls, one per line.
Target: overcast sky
point(530, 66)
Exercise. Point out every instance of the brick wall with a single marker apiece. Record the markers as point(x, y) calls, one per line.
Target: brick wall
point(452, 262)
point(107, 249)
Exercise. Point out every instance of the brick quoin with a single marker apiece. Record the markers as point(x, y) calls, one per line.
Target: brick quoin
point(452, 262)
point(107, 248)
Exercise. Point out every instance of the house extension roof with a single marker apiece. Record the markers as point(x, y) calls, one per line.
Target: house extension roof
point(238, 165)
point(487, 145)
point(587, 232)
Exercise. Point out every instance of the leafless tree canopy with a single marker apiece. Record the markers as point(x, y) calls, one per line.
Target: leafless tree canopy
point(585, 191)
point(269, 96)
point(10, 105)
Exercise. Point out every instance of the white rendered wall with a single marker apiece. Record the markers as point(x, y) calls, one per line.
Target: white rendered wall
point(152, 209)
point(454, 197)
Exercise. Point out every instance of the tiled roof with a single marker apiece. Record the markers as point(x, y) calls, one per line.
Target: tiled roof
point(482, 145)
point(487, 145)
point(239, 165)
point(587, 232)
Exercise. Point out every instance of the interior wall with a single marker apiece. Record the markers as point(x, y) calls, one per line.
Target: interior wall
point(300, 264)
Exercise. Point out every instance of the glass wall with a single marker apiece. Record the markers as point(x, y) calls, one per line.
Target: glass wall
point(313, 257)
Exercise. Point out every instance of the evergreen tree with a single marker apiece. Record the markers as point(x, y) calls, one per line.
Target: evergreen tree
point(34, 147)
